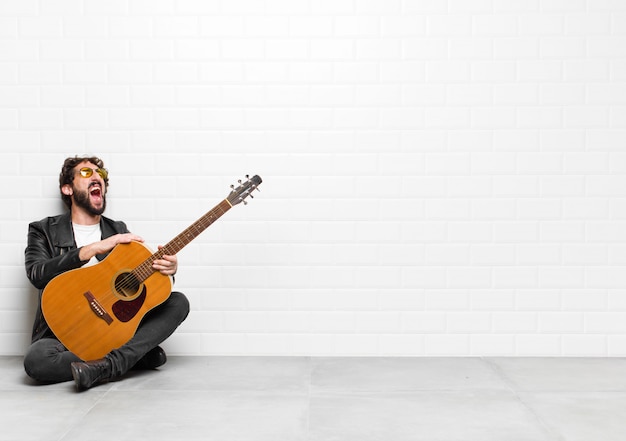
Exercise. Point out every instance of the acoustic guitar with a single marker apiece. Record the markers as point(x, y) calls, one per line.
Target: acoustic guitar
point(96, 309)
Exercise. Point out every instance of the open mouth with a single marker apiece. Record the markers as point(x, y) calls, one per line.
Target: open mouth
point(95, 191)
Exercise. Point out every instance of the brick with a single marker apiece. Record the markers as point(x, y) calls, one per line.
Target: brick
point(584, 345)
point(447, 344)
point(494, 345)
point(468, 323)
point(469, 277)
point(536, 345)
point(41, 27)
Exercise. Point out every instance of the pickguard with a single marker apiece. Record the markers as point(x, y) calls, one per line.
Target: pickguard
point(125, 310)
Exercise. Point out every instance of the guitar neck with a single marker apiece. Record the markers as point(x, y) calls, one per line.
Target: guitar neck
point(144, 270)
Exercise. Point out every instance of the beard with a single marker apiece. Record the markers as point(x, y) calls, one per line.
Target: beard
point(81, 199)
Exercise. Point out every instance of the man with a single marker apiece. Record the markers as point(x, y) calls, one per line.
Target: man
point(80, 237)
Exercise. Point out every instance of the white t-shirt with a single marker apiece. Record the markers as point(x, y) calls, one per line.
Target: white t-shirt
point(86, 235)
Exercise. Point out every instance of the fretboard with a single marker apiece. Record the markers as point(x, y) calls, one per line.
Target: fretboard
point(145, 270)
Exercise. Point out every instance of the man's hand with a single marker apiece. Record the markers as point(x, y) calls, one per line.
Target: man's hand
point(106, 245)
point(167, 265)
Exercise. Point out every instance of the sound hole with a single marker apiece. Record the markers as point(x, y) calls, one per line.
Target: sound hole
point(127, 285)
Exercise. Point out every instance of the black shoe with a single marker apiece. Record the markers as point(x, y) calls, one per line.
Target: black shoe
point(90, 373)
point(153, 359)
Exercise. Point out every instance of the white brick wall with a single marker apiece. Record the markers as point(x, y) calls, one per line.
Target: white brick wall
point(441, 177)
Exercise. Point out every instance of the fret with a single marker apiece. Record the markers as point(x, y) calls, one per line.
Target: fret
point(239, 194)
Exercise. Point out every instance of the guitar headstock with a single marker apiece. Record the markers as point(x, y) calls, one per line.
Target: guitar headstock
point(244, 190)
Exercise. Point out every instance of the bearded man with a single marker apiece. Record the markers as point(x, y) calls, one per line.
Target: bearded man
point(81, 237)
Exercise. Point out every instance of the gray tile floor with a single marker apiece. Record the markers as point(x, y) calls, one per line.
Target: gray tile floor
point(315, 399)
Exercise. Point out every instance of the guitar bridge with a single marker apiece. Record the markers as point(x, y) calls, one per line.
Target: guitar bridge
point(97, 309)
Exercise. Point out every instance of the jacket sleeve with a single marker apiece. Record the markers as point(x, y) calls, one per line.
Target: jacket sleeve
point(42, 262)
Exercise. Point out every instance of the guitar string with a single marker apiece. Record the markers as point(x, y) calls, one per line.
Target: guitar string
point(144, 270)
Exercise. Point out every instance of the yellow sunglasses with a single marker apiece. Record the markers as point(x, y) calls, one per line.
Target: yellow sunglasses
point(86, 172)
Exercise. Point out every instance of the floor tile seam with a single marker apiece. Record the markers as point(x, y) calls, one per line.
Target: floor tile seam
point(309, 402)
point(248, 392)
point(547, 428)
point(316, 392)
point(572, 393)
point(407, 393)
point(80, 420)
point(499, 370)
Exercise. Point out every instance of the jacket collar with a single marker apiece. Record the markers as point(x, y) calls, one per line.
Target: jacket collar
point(64, 233)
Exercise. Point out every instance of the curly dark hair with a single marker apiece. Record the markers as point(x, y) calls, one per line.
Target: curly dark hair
point(68, 173)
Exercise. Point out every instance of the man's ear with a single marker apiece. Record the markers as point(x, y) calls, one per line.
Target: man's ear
point(67, 190)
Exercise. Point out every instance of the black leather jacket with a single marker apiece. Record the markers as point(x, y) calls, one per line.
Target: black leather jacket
point(52, 250)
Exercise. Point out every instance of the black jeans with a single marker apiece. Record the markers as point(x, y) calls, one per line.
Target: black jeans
point(48, 361)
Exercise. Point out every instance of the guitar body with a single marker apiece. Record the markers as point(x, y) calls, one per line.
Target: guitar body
point(96, 309)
